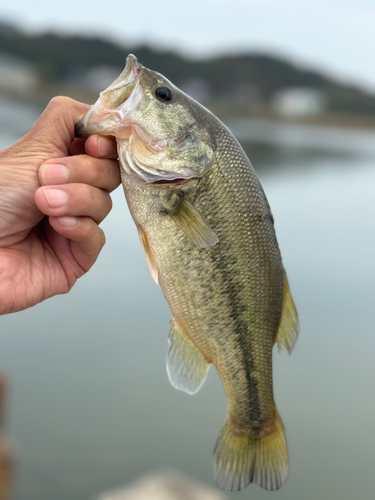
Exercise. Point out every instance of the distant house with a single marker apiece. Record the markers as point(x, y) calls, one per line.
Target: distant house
point(16, 75)
point(97, 78)
point(296, 101)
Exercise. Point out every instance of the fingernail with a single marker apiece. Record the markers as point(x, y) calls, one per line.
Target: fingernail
point(67, 221)
point(105, 147)
point(55, 197)
point(54, 174)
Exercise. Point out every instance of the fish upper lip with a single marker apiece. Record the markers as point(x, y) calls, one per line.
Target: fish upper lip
point(114, 96)
point(130, 72)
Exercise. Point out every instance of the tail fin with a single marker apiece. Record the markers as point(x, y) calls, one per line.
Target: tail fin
point(241, 460)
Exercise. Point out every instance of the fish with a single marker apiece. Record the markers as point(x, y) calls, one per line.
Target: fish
point(207, 232)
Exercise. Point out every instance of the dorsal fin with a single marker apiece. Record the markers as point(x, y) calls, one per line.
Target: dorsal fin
point(288, 330)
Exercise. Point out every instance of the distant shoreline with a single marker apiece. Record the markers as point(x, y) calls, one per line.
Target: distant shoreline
point(43, 95)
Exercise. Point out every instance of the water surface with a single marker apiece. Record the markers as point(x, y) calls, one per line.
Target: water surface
point(90, 407)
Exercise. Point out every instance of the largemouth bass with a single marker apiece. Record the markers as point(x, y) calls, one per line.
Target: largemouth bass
point(207, 231)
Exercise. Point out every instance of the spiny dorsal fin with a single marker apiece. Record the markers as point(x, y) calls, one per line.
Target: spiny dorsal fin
point(186, 365)
point(148, 255)
point(288, 330)
point(196, 229)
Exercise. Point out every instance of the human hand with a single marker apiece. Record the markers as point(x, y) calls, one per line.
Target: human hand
point(52, 200)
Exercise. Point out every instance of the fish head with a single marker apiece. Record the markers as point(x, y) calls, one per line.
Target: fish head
point(162, 134)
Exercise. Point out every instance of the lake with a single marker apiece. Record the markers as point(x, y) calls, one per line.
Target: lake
point(90, 407)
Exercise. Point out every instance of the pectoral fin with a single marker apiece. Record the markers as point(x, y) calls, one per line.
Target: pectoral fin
point(288, 330)
point(186, 365)
point(191, 222)
point(147, 251)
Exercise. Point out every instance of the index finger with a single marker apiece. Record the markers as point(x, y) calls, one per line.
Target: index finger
point(100, 146)
point(81, 169)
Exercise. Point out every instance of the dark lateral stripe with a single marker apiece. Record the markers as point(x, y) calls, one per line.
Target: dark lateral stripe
point(224, 263)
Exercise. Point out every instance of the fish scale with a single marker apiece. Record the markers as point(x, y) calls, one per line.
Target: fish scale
point(207, 231)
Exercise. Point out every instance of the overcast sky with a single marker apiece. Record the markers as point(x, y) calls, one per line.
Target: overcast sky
point(336, 36)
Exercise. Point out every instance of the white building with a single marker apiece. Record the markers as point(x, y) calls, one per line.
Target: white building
point(298, 102)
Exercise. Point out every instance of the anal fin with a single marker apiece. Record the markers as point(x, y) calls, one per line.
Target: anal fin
point(287, 333)
point(148, 254)
point(186, 365)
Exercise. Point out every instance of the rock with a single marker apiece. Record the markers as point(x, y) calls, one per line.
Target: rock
point(164, 486)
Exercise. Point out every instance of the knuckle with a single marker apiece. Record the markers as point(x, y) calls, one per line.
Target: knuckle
point(60, 104)
point(102, 238)
point(85, 169)
point(90, 231)
point(110, 202)
point(60, 101)
point(104, 207)
point(96, 199)
point(102, 197)
point(85, 229)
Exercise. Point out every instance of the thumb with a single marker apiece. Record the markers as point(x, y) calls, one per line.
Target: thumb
point(53, 132)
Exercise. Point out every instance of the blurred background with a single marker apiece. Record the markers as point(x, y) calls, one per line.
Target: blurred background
point(89, 407)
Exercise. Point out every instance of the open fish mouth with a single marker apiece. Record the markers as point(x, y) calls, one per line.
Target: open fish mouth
point(121, 89)
point(108, 115)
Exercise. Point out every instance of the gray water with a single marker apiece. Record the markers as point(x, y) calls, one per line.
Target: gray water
point(90, 407)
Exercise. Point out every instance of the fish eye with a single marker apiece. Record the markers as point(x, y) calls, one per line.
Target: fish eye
point(164, 94)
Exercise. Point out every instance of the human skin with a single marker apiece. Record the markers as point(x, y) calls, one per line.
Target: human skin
point(54, 193)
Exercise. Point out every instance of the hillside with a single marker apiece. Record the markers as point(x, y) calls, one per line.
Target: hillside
point(254, 77)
